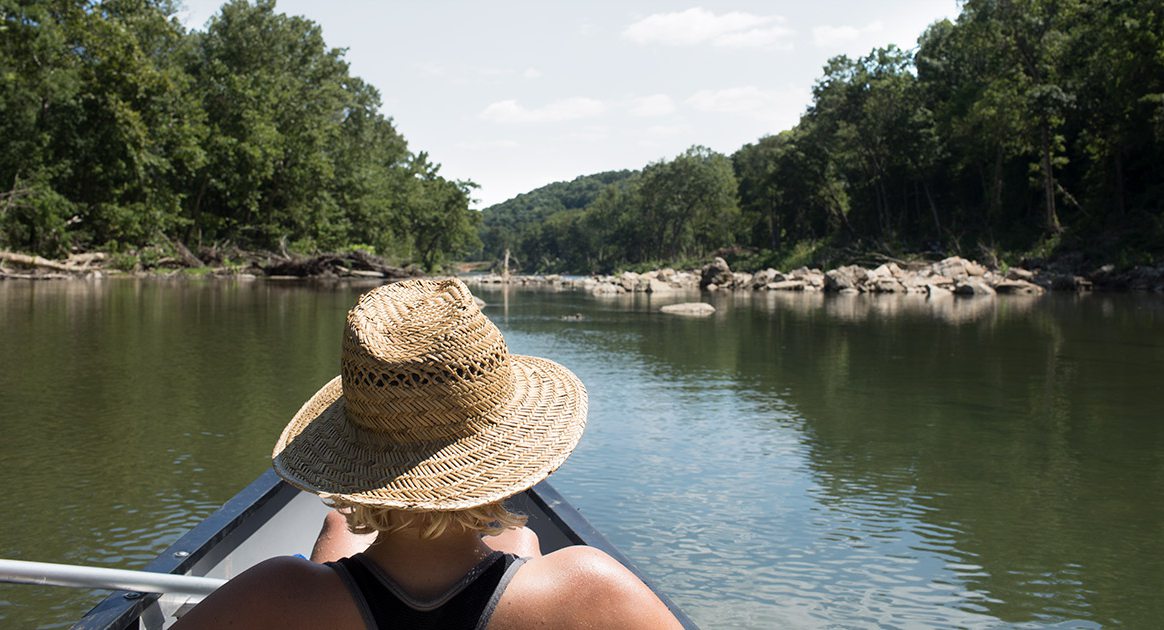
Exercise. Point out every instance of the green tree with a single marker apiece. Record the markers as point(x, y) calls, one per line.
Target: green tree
point(436, 215)
point(689, 205)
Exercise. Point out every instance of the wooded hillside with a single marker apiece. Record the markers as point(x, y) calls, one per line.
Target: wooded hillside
point(1024, 130)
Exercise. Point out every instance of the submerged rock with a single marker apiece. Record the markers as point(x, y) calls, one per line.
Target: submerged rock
point(689, 309)
point(786, 285)
point(1019, 287)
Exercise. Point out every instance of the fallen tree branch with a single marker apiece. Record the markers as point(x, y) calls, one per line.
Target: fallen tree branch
point(34, 261)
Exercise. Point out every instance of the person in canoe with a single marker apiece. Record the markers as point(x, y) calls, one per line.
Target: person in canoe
point(430, 426)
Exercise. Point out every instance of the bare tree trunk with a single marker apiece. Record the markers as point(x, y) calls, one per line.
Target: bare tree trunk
point(1051, 218)
point(933, 210)
point(34, 261)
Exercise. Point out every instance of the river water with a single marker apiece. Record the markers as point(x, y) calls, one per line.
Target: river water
point(795, 460)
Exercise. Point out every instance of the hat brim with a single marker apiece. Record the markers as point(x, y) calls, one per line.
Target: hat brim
point(510, 450)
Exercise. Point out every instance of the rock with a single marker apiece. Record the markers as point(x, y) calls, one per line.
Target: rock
point(1063, 282)
point(655, 285)
point(628, 280)
point(607, 288)
point(842, 278)
point(934, 290)
point(717, 273)
point(712, 287)
point(689, 309)
point(877, 273)
point(1018, 273)
point(888, 285)
point(480, 303)
point(762, 278)
point(1018, 287)
point(913, 283)
point(685, 280)
point(741, 280)
point(1145, 278)
point(973, 287)
point(953, 267)
point(848, 291)
point(666, 274)
point(888, 270)
point(973, 269)
point(811, 277)
point(786, 285)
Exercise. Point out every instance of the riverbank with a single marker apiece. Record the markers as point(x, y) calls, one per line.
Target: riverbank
point(182, 262)
point(953, 275)
point(950, 276)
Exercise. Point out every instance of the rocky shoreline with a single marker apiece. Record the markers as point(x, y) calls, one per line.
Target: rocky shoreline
point(236, 264)
point(950, 276)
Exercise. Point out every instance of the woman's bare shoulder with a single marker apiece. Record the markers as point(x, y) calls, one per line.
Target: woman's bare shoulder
point(279, 592)
point(579, 587)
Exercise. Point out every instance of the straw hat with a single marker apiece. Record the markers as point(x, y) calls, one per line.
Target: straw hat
point(430, 411)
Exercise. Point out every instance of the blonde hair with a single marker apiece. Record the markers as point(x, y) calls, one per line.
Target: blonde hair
point(490, 519)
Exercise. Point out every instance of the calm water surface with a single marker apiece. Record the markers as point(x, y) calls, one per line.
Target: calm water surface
point(794, 460)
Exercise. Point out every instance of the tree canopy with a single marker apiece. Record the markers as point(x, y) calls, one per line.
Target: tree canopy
point(1022, 128)
point(123, 129)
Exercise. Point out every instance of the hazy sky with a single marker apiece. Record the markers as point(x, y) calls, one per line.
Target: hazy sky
point(515, 95)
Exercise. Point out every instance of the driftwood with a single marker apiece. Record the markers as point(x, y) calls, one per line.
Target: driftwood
point(355, 264)
point(352, 264)
point(34, 261)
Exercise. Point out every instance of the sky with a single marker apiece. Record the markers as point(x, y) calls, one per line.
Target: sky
point(515, 95)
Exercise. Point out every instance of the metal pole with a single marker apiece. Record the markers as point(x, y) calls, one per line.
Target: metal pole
point(45, 573)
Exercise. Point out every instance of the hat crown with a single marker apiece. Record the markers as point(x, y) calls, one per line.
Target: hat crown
point(421, 362)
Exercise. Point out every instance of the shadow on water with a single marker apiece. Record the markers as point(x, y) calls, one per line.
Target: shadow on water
point(132, 409)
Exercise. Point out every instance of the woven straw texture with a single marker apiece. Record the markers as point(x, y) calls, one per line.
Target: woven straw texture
point(430, 411)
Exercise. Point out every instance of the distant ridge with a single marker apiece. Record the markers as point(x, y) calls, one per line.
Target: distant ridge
point(511, 216)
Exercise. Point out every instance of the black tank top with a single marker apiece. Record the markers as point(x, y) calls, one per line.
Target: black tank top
point(468, 604)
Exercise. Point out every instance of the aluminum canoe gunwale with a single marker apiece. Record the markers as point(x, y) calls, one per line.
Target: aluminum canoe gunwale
point(266, 496)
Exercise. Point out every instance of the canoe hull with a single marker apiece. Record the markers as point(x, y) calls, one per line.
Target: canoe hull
point(271, 518)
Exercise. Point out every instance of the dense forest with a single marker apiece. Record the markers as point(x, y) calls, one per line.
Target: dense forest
point(122, 130)
point(1025, 130)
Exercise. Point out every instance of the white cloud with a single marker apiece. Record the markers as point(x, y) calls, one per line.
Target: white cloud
point(510, 111)
point(731, 100)
point(665, 131)
point(653, 105)
point(431, 69)
point(489, 145)
point(777, 108)
point(828, 36)
point(532, 73)
point(700, 26)
point(588, 134)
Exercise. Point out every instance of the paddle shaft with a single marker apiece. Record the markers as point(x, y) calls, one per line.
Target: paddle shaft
point(46, 573)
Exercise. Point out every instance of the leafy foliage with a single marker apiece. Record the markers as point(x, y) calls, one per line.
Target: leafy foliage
point(120, 127)
point(1025, 126)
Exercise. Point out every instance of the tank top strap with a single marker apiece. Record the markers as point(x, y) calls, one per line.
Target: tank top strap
point(469, 603)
